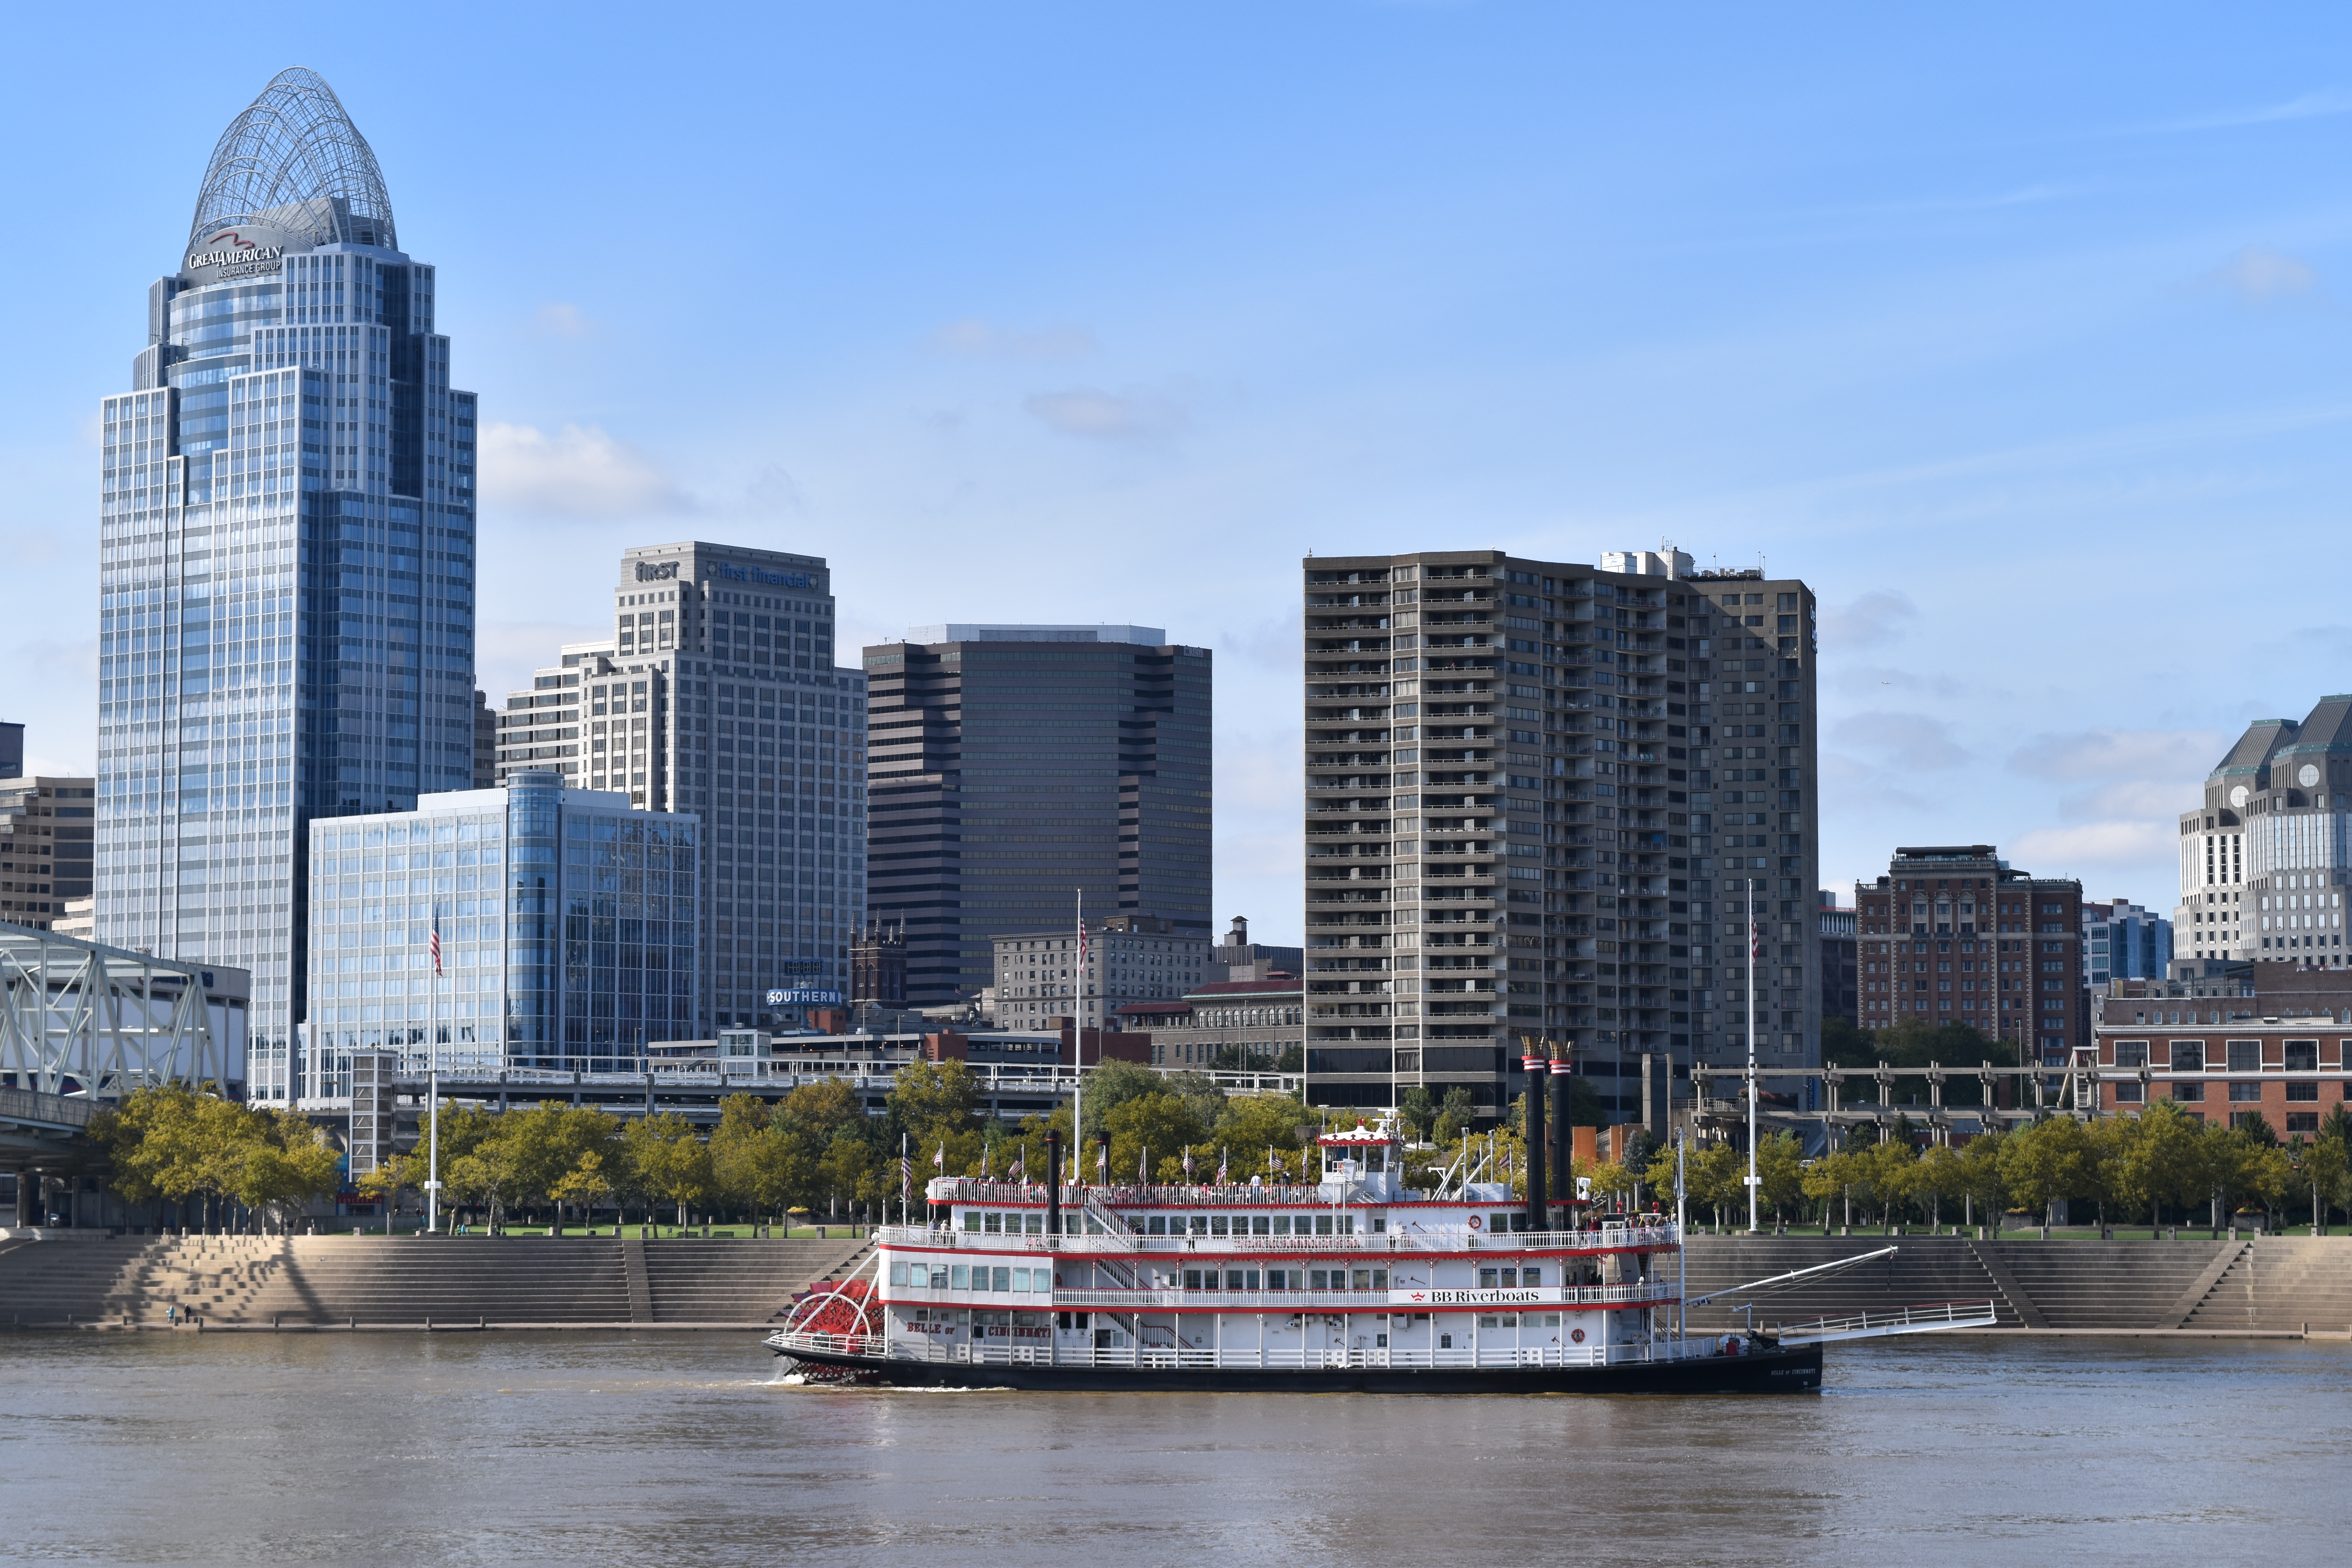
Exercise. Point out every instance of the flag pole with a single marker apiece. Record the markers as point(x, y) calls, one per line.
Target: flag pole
point(433, 1087)
point(1755, 938)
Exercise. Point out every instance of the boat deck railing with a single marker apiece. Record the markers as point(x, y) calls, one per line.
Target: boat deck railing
point(1613, 1238)
point(1649, 1292)
point(1180, 1358)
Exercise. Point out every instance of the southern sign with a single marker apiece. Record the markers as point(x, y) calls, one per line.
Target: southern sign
point(802, 998)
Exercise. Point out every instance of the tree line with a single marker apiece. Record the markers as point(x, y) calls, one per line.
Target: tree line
point(2161, 1166)
point(814, 1149)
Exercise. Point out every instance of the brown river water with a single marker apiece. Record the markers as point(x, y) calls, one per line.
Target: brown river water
point(613, 1448)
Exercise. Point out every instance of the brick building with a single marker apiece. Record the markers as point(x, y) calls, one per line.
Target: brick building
point(2272, 1039)
point(1953, 935)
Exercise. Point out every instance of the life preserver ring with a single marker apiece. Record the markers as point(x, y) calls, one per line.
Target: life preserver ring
point(1576, 1335)
point(1474, 1222)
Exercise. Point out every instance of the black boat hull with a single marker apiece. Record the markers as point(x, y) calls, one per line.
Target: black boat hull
point(1797, 1370)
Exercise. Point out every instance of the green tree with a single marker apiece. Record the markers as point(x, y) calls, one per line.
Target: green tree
point(1418, 1111)
point(2327, 1167)
point(673, 1164)
point(1454, 1116)
point(1779, 1164)
point(2167, 1163)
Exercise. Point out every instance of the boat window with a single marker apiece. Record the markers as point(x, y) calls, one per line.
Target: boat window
point(939, 1277)
point(1282, 1225)
point(1216, 1224)
point(1446, 1341)
point(1500, 1224)
point(1260, 1225)
point(1379, 1278)
point(1487, 1279)
point(1488, 1320)
point(999, 1278)
point(1320, 1278)
point(1021, 1280)
point(959, 1277)
point(1378, 1157)
point(971, 1221)
point(1346, 1224)
point(1322, 1225)
point(1363, 1280)
point(1191, 1280)
point(1531, 1277)
point(899, 1272)
point(1200, 1225)
point(1278, 1279)
point(1033, 1224)
point(1233, 1278)
point(1550, 1320)
point(993, 1225)
point(1380, 1225)
point(1157, 1225)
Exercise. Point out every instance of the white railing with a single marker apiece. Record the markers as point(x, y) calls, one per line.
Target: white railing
point(1249, 1358)
point(1909, 1321)
point(1614, 1238)
point(1648, 1292)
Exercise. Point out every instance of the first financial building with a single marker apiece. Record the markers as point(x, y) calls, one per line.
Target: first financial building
point(286, 561)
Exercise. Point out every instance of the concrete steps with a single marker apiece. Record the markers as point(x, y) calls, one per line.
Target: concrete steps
point(2280, 1284)
point(2107, 1284)
point(323, 1280)
point(737, 1281)
point(1923, 1270)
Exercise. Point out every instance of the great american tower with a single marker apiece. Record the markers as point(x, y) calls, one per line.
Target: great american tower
point(285, 543)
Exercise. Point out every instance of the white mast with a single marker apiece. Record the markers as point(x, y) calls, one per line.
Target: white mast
point(1753, 942)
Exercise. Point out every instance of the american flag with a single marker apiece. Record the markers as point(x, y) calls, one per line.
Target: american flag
point(1755, 940)
point(906, 1179)
point(939, 1160)
point(1020, 1164)
point(1102, 1162)
point(1221, 1167)
point(434, 945)
point(1188, 1163)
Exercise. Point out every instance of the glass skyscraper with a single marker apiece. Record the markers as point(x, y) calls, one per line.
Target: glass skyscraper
point(285, 545)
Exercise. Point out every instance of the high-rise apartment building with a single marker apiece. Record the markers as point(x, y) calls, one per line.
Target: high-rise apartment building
point(2121, 941)
point(718, 694)
point(11, 751)
point(1539, 796)
point(46, 826)
point(1015, 766)
point(1951, 935)
point(2264, 860)
point(568, 933)
point(286, 557)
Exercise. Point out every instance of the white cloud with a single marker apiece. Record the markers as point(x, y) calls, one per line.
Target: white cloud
point(506, 652)
point(2263, 277)
point(1911, 743)
point(973, 336)
point(562, 320)
point(579, 471)
point(2152, 755)
point(1101, 415)
point(1875, 619)
point(2056, 851)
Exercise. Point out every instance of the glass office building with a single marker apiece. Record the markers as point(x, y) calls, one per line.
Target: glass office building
point(717, 693)
point(285, 558)
point(569, 932)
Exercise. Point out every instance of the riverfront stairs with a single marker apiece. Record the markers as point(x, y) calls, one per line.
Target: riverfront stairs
point(2278, 1284)
point(247, 1281)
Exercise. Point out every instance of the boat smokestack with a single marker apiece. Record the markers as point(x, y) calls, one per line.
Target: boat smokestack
point(1538, 1067)
point(1563, 1159)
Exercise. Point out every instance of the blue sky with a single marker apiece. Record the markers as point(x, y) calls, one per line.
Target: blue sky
point(2020, 333)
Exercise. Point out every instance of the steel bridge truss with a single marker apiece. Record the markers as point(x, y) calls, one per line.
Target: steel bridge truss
point(77, 1017)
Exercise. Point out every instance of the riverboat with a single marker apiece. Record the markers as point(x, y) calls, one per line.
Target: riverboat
point(1354, 1284)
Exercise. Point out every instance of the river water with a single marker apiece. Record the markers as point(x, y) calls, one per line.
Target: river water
point(383, 1448)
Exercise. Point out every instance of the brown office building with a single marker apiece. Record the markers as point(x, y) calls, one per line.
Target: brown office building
point(1952, 935)
point(1538, 797)
point(46, 831)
